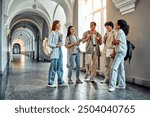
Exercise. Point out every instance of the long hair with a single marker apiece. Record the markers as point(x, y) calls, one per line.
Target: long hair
point(54, 25)
point(68, 31)
point(124, 26)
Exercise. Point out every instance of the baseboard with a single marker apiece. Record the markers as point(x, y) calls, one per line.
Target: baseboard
point(138, 81)
point(131, 79)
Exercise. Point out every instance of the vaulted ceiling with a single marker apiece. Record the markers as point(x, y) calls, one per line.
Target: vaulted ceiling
point(24, 18)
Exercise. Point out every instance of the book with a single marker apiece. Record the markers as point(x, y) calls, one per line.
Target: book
point(109, 52)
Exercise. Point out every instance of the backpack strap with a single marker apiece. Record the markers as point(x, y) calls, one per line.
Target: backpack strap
point(113, 33)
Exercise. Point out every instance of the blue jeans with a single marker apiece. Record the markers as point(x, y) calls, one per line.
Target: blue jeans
point(118, 70)
point(56, 66)
point(76, 58)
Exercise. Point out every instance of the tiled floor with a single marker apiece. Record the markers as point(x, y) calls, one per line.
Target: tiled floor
point(27, 80)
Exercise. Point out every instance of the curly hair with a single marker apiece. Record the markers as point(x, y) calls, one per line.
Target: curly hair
point(124, 26)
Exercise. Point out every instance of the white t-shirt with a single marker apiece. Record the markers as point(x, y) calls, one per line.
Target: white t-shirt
point(122, 47)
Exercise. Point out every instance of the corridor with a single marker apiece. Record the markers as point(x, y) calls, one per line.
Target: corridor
point(27, 80)
point(24, 66)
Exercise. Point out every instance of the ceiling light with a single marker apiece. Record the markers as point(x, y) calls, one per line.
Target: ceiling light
point(34, 5)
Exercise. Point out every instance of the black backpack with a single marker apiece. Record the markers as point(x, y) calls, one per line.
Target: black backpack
point(130, 48)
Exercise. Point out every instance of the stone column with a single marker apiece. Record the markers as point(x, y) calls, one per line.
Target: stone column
point(0, 36)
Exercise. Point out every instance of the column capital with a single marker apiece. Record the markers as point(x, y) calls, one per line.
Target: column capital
point(125, 6)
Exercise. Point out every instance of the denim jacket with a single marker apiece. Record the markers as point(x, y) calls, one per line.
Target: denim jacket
point(54, 39)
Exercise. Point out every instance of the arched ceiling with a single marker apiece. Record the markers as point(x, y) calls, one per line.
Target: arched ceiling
point(23, 20)
point(21, 32)
point(45, 8)
point(24, 27)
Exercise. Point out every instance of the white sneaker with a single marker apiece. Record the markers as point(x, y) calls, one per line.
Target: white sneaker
point(104, 81)
point(111, 89)
point(87, 80)
point(52, 85)
point(120, 87)
point(63, 85)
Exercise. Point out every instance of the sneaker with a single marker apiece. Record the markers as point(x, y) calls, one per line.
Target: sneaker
point(78, 81)
point(52, 85)
point(63, 85)
point(86, 76)
point(70, 81)
point(120, 87)
point(111, 89)
point(92, 80)
point(104, 81)
point(87, 80)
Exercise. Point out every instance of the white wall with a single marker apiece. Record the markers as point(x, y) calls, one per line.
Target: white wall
point(139, 21)
point(0, 36)
point(3, 46)
point(75, 16)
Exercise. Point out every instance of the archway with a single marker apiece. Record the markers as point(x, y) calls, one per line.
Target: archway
point(37, 23)
point(27, 28)
point(16, 48)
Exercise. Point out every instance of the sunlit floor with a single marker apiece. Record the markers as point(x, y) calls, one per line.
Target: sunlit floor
point(27, 80)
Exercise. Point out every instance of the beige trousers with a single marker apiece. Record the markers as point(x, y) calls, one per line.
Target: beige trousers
point(91, 61)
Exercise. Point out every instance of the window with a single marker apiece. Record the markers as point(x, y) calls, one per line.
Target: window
point(96, 4)
point(91, 10)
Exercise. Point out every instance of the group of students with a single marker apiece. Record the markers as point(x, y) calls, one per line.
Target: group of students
point(115, 50)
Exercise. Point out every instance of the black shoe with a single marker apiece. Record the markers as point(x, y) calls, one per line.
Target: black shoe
point(92, 80)
point(78, 81)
